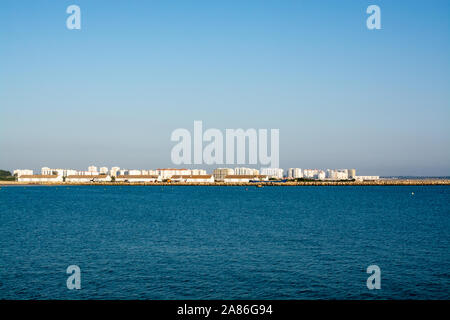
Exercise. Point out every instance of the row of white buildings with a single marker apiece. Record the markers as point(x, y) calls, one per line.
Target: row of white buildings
point(113, 172)
point(221, 173)
point(327, 174)
point(240, 174)
point(103, 174)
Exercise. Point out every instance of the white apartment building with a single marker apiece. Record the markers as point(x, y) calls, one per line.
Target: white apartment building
point(295, 173)
point(59, 172)
point(351, 173)
point(22, 172)
point(40, 178)
point(104, 170)
point(168, 173)
point(92, 169)
point(337, 174)
point(311, 173)
point(321, 175)
point(273, 172)
point(220, 173)
point(114, 170)
point(246, 171)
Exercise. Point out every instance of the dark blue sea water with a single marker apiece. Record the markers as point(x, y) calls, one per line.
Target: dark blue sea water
point(224, 242)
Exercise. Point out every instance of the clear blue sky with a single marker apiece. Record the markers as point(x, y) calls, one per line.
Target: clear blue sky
point(111, 93)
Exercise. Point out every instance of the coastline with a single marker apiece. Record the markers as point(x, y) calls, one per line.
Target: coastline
point(381, 182)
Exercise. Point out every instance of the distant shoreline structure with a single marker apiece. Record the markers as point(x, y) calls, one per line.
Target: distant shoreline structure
point(380, 182)
point(227, 175)
point(239, 176)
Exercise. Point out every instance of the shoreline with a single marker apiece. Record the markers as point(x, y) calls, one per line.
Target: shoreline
point(381, 182)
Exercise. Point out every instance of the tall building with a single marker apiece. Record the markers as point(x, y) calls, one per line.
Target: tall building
point(220, 173)
point(295, 173)
point(321, 175)
point(246, 171)
point(46, 171)
point(337, 174)
point(351, 173)
point(272, 172)
point(311, 173)
point(92, 169)
point(114, 171)
point(103, 170)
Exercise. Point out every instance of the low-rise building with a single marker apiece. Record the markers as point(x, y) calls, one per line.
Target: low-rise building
point(233, 178)
point(197, 172)
point(366, 178)
point(88, 178)
point(208, 178)
point(102, 178)
point(135, 172)
point(22, 172)
point(168, 173)
point(40, 178)
point(137, 178)
point(84, 173)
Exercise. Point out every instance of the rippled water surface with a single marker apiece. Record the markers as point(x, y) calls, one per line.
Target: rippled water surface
point(224, 242)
